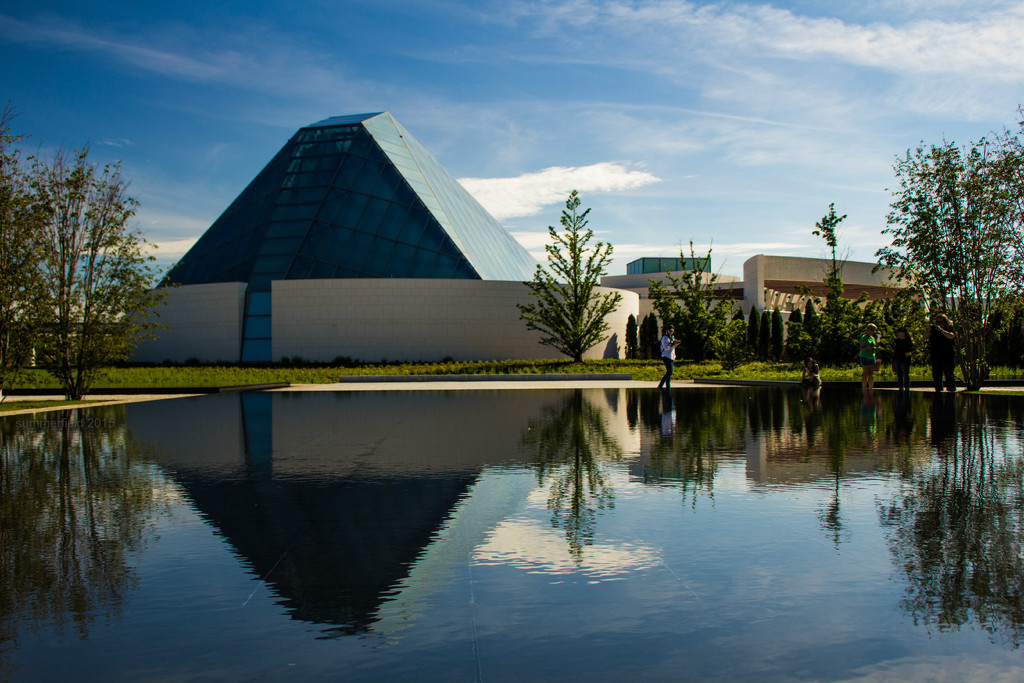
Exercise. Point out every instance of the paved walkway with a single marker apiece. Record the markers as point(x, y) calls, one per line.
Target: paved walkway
point(482, 386)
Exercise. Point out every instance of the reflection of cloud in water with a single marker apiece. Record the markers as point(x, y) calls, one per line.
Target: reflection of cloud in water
point(953, 669)
point(496, 495)
point(530, 544)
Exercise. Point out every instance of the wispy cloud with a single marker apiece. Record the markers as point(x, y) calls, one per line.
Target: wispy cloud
point(528, 194)
point(184, 54)
point(57, 32)
point(760, 56)
point(988, 46)
point(117, 142)
point(985, 40)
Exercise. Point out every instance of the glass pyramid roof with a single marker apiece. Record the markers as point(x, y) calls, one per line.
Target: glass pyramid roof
point(353, 196)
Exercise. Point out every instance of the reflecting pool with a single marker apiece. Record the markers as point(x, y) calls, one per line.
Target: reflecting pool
point(550, 535)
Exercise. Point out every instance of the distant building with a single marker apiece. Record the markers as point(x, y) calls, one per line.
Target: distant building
point(775, 281)
point(654, 265)
point(768, 281)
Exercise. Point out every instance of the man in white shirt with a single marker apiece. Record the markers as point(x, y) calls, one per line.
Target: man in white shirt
point(668, 355)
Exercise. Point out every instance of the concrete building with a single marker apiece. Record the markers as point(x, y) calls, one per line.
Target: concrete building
point(767, 282)
point(355, 242)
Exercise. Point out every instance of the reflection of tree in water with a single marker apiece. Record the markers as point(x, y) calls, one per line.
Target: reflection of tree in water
point(75, 500)
point(955, 533)
point(837, 428)
point(569, 443)
point(715, 424)
point(707, 423)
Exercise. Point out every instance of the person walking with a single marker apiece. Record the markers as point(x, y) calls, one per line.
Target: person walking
point(868, 362)
point(941, 348)
point(902, 350)
point(668, 355)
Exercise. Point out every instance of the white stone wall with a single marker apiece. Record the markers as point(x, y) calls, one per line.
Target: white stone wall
point(203, 321)
point(415, 320)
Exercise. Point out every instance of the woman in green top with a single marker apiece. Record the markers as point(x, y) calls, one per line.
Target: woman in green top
point(868, 362)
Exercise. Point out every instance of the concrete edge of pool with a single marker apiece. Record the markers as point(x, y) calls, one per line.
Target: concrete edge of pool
point(447, 383)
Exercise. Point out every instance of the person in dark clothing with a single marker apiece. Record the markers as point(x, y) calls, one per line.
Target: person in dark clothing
point(941, 341)
point(902, 349)
point(811, 378)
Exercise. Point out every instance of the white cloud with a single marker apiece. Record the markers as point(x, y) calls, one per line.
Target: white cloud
point(158, 225)
point(988, 46)
point(984, 41)
point(170, 250)
point(533, 546)
point(528, 194)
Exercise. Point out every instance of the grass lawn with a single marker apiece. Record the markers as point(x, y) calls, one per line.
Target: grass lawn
point(138, 377)
point(164, 377)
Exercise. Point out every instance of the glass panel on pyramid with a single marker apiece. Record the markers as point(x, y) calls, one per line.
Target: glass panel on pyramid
point(353, 196)
point(348, 197)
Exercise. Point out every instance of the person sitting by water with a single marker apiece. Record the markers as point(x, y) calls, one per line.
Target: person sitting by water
point(810, 379)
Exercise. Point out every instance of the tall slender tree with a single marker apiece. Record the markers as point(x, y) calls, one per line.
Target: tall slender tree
point(777, 335)
point(812, 325)
point(632, 337)
point(764, 335)
point(753, 329)
point(841, 318)
point(566, 310)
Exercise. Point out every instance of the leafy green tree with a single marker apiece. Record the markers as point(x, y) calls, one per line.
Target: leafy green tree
point(632, 337)
point(1015, 341)
point(1000, 320)
point(903, 310)
point(954, 225)
point(566, 310)
point(19, 272)
point(732, 349)
point(1008, 345)
point(689, 301)
point(1008, 179)
point(794, 328)
point(777, 335)
point(97, 285)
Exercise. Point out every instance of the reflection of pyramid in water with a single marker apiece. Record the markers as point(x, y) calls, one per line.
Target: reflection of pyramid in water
point(353, 196)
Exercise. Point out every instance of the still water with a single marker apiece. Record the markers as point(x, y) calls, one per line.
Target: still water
point(570, 535)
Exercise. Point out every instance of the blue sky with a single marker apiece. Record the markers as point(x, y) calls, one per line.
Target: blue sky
point(728, 123)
